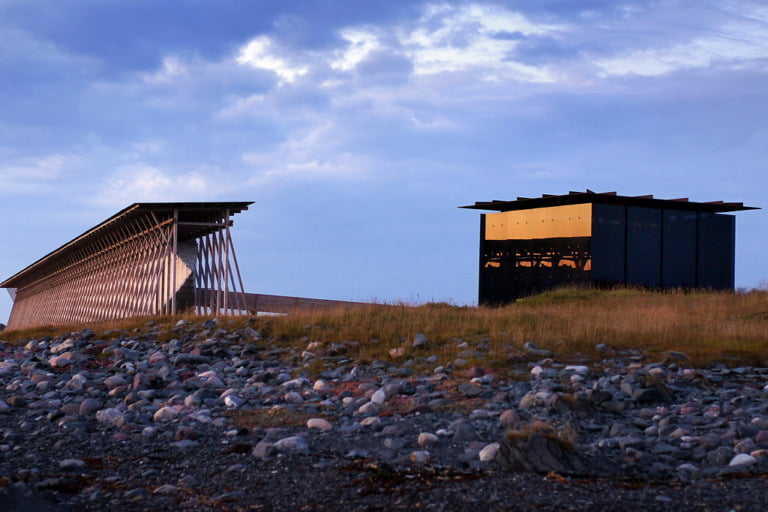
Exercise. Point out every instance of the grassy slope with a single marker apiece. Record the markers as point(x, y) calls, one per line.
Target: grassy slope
point(706, 326)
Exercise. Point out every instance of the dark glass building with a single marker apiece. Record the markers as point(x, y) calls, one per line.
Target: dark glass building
point(533, 244)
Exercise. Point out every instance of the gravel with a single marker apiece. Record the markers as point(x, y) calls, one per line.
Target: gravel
point(220, 418)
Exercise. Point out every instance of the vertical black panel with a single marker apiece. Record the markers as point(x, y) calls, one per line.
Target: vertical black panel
point(678, 267)
point(480, 275)
point(716, 251)
point(608, 243)
point(643, 246)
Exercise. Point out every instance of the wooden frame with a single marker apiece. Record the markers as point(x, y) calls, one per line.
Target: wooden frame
point(139, 262)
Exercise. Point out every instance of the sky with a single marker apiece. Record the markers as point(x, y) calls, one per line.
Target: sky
point(358, 128)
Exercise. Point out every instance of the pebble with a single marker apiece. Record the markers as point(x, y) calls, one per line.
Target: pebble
point(71, 464)
point(319, 423)
point(111, 416)
point(743, 459)
point(165, 414)
point(292, 445)
point(427, 438)
point(488, 453)
point(420, 457)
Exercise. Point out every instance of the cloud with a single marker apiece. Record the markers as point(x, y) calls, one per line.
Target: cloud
point(173, 68)
point(144, 183)
point(727, 50)
point(259, 53)
point(31, 175)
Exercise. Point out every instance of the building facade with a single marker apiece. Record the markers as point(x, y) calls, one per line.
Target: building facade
point(533, 244)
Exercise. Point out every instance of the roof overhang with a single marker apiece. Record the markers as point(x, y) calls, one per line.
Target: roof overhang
point(195, 221)
point(526, 203)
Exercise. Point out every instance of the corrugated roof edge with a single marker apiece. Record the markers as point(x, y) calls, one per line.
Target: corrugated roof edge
point(648, 201)
point(237, 207)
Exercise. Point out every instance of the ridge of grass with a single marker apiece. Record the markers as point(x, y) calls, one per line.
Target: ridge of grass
point(707, 326)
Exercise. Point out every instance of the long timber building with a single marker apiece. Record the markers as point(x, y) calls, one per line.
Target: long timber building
point(148, 259)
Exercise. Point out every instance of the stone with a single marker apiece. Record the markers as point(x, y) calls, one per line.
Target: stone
point(368, 409)
point(319, 424)
point(420, 457)
point(373, 422)
point(166, 489)
point(470, 390)
point(294, 445)
point(88, 406)
point(533, 350)
point(462, 431)
point(293, 397)
point(509, 418)
point(427, 438)
point(114, 381)
point(489, 452)
point(233, 401)
point(577, 369)
point(743, 459)
point(165, 414)
point(321, 386)
point(379, 397)
point(263, 450)
point(111, 416)
point(539, 452)
point(71, 464)
point(419, 340)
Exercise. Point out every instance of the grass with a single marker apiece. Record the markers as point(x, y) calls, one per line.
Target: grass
point(707, 326)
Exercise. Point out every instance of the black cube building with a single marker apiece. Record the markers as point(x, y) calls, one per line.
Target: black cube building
point(534, 244)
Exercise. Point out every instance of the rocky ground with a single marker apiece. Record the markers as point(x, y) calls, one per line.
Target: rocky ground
point(217, 418)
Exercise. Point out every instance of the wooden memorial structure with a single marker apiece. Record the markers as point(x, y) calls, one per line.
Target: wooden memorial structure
point(148, 259)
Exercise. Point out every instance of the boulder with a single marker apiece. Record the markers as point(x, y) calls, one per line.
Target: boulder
point(539, 451)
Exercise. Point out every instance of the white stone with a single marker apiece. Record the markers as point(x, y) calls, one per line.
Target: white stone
point(165, 414)
point(321, 385)
point(233, 401)
point(743, 459)
point(319, 423)
point(371, 421)
point(427, 438)
point(297, 383)
point(368, 409)
point(488, 453)
point(379, 397)
point(292, 445)
point(577, 368)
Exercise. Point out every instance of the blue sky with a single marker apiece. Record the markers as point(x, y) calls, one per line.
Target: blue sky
point(358, 127)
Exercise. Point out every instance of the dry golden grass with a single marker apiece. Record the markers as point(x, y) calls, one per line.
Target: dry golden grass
point(706, 326)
